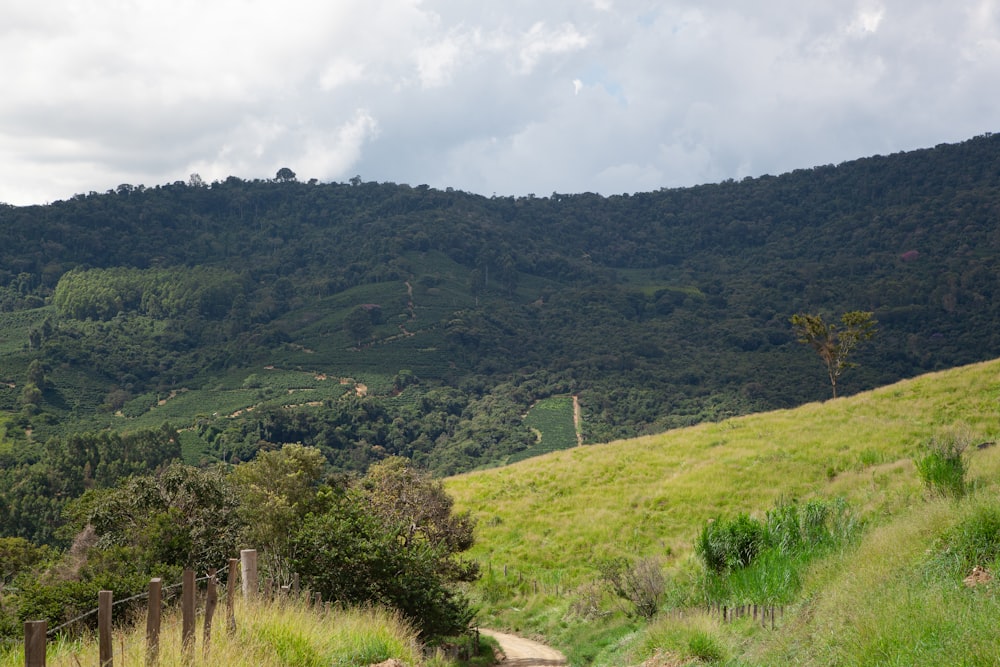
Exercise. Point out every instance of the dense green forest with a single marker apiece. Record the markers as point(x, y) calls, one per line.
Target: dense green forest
point(373, 319)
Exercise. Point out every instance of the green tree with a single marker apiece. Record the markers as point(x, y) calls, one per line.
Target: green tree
point(36, 374)
point(276, 491)
point(183, 516)
point(349, 554)
point(17, 555)
point(31, 396)
point(358, 324)
point(834, 343)
point(416, 505)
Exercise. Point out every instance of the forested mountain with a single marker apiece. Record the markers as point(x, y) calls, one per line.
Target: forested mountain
point(371, 319)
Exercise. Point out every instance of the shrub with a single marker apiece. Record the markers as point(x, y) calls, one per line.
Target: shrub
point(942, 469)
point(782, 527)
point(726, 544)
point(974, 541)
point(642, 583)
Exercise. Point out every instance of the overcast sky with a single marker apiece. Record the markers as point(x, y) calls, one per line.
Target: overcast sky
point(505, 97)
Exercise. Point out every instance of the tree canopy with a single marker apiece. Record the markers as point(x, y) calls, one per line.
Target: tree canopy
point(835, 343)
point(656, 309)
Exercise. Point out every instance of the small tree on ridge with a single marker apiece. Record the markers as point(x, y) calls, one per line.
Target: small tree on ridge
point(834, 343)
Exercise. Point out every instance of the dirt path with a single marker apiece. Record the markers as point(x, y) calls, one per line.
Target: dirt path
point(576, 420)
point(523, 652)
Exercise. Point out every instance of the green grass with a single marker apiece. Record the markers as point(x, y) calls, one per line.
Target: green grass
point(551, 519)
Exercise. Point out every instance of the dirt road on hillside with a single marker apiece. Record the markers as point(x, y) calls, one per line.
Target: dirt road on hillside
point(523, 652)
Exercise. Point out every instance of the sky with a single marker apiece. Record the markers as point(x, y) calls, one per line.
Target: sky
point(497, 97)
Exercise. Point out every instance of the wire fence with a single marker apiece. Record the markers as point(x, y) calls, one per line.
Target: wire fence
point(244, 570)
point(138, 596)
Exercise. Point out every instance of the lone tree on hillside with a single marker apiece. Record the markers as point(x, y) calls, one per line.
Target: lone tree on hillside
point(834, 343)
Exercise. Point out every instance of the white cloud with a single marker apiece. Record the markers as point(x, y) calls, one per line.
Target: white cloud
point(340, 72)
point(541, 41)
point(476, 95)
point(867, 20)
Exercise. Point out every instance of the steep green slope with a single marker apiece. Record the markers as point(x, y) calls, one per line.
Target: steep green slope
point(547, 524)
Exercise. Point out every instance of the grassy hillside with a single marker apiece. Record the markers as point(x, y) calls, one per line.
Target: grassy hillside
point(548, 522)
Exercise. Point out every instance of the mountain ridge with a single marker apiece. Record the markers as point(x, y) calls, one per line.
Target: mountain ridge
point(459, 311)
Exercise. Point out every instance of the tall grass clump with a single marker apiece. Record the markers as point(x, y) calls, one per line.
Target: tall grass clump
point(942, 468)
point(752, 561)
point(973, 542)
point(678, 641)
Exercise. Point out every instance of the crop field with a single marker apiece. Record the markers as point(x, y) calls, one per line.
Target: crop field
point(552, 420)
point(266, 387)
point(16, 325)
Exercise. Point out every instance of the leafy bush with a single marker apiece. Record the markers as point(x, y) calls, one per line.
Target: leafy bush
point(942, 469)
point(751, 561)
point(347, 554)
point(725, 544)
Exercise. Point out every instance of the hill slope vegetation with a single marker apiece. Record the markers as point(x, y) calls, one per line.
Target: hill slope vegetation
point(373, 319)
point(884, 584)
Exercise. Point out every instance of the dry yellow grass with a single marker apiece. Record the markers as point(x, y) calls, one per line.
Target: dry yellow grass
point(268, 635)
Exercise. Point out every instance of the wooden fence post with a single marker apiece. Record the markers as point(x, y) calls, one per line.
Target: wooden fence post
point(211, 602)
point(234, 565)
point(187, 614)
point(153, 608)
point(34, 643)
point(248, 559)
point(105, 599)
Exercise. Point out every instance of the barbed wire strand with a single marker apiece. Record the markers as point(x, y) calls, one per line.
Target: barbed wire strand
point(137, 596)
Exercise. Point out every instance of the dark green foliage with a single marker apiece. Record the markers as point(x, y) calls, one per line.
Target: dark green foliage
point(658, 309)
point(728, 544)
point(749, 561)
point(388, 538)
point(18, 555)
point(182, 517)
point(67, 591)
point(35, 490)
point(942, 468)
point(352, 557)
point(391, 539)
point(358, 324)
